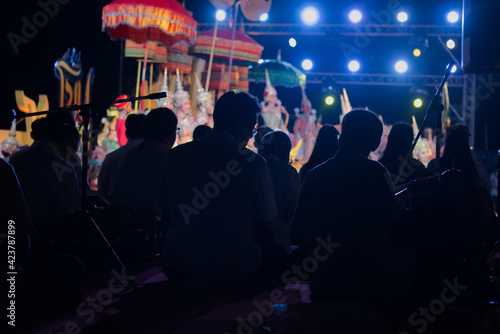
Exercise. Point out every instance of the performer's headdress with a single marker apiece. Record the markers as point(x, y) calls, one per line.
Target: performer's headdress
point(180, 94)
point(203, 97)
point(164, 88)
point(122, 105)
point(270, 90)
point(305, 100)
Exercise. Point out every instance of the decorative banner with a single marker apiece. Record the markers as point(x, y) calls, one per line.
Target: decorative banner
point(68, 70)
point(156, 51)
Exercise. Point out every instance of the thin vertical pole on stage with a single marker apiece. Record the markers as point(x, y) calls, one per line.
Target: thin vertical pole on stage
point(209, 71)
point(229, 70)
point(138, 84)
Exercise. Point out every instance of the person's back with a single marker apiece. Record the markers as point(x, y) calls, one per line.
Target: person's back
point(141, 168)
point(346, 202)
point(325, 148)
point(49, 182)
point(216, 192)
point(286, 183)
point(398, 145)
point(111, 163)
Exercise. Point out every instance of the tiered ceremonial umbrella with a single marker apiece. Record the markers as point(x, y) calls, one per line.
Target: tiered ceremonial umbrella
point(163, 21)
point(246, 50)
point(281, 73)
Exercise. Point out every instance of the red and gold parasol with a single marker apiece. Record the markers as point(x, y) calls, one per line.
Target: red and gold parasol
point(142, 21)
point(164, 21)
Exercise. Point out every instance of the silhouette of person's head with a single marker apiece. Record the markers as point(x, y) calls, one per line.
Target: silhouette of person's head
point(277, 143)
point(236, 113)
point(361, 131)
point(325, 147)
point(133, 126)
point(60, 129)
point(399, 140)
point(160, 124)
point(200, 131)
point(261, 132)
point(38, 129)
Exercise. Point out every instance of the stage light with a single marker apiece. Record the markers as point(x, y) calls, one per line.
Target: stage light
point(307, 64)
point(402, 17)
point(263, 17)
point(450, 44)
point(309, 16)
point(417, 52)
point(355, 16)
point(220, 15)
point(452, 16)
point(454, 69)
point(353, 66)
point(260, 61)
point(292, 42)
point(401, 66)
point(329, 100)
point(417, 103)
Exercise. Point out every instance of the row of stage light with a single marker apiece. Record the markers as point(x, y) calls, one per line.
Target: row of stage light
point(310, 16)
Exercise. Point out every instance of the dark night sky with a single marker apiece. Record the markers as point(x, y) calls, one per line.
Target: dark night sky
point(77, 23)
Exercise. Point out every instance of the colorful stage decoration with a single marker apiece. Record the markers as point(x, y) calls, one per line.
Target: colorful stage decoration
point(281, 73)
point(68, 70)
point(246, 50)
point(163, 21)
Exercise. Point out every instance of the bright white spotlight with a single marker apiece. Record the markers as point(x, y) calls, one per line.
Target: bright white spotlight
point(454, 69)
point(417, 103)
point(292, 42)
point(452, 16)
point(329, 100)
point(260, 61)
point(355, 16)
point(401, 66)
point(353, 66)
point(402, 17)
point(220, 15)
point(450, 44)
point(307, 64)
point(263, 17)
point(309, 16)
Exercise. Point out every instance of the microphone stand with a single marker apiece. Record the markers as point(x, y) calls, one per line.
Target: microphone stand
point(87, 114)
point(436, 106)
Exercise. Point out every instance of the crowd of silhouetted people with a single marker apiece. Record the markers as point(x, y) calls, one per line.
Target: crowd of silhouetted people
point(376, 232)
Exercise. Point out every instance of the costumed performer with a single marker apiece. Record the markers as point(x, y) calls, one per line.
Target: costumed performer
point(182, 108)
point(305, 128)
point(166, 102)
point(124, 109)
point(272, 109)
point(205, 106)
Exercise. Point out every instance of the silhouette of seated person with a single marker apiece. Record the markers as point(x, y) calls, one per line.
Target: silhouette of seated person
point(109, 167)
point(344, 206)
point(325, 147)
point(286, 183)
point(200, 131)
point(398, 145)
point(141, 168)
point(218, 201)
point(47, 176)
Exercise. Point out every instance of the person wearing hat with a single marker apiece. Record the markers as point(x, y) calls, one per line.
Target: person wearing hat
point(205, 106)
point(124, 109)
